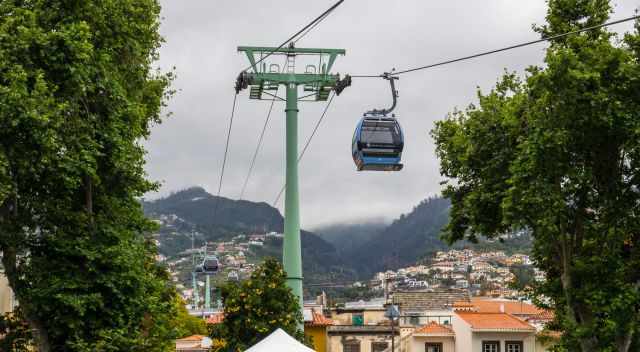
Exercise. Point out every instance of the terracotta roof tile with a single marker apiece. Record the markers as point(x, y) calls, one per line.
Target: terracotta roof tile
point(318, 319)
point(488, 305)
point(494, 321)
point(215, 318)
point(434, 328)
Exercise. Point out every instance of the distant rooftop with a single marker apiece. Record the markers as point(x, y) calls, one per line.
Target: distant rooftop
point(374, 303)
point(429, 300)
point(435, 329)
point(494, 321)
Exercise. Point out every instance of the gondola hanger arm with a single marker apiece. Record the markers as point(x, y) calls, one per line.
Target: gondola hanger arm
point(394, 94)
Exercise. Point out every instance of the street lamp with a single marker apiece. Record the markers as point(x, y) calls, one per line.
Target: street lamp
point(392, 314)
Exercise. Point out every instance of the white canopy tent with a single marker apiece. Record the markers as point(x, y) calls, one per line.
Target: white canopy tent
point(279, 341)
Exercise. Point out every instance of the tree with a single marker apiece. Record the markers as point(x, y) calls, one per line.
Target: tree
point(187, 324)
point(256, 307)
point(77, 94)
point(559, 154)
point(524, 277)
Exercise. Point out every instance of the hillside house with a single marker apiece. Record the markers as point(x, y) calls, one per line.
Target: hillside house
point(421, 307)
point(492, 332)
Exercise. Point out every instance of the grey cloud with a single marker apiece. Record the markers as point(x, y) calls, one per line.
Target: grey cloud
point(201, 40)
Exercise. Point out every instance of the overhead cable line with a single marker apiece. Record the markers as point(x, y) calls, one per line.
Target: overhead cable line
point(260, 138)
point(311, 28)
point(224, 160)
point(255, 154)
point(544, 39)
point(306, 146)
point(293, 37)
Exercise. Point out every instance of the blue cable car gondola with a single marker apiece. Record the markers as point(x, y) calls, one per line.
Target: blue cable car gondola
point(378, 140)
point(210, 264)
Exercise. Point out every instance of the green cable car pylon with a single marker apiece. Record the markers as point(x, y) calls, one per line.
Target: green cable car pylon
point(318, 83)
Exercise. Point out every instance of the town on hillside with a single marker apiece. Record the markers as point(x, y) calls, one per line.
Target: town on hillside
point(319, 176)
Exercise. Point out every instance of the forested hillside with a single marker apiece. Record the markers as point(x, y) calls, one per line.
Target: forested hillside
point(192, 211)
point(406, 240)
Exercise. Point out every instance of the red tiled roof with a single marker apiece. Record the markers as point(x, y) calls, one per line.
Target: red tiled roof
point(318, 319)
point(215, 318)
point(434, 329)
point(488, 305)
point(545, 315)
point(494, 321)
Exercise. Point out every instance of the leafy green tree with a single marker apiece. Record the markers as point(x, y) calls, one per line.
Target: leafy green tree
point(77, 94)
point(559, 154)
point(524, 277)
point(256, 307)
point(188, 325)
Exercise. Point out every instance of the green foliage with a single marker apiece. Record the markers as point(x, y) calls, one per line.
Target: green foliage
point(402, 243)
point(188, 325)
point(77, 94)
point(256, 307)
point(559, 154)
point(321, 261)
point(524, 277)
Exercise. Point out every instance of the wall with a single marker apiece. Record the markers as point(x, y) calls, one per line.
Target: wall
point(6, 295)
point(319, 336)
point(418, 343)
point(371, 317)
point(335, 341)
point(527, 338)
point(463, 333)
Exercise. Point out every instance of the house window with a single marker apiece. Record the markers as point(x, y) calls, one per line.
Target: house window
point(414, 320)
point(490, 346)
point(379, 346)
point(514, 346)
point(351, 346)
point(433, 347)
point(357, 319)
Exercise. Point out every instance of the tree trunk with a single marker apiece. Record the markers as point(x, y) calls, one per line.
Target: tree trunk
point(9, 261)
point(88, 196)
point(10, 264)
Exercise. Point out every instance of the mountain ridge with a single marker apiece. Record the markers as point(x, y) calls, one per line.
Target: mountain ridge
point(194, 208)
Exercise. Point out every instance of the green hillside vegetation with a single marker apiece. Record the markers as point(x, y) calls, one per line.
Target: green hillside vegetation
point(347, 237)
point(195, 207)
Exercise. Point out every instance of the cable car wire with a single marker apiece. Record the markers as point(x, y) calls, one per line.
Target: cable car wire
point(545, 39)
point(255, 154)
point(293, 37)
point(261, 137)
point(310, 28)
point(306, 145)
point(224, 160)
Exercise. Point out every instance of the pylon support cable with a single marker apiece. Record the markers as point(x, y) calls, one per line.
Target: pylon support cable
point(305, 28)
point(224, 160)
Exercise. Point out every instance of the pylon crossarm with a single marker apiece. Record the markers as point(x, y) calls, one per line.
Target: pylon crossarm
point(252, 51)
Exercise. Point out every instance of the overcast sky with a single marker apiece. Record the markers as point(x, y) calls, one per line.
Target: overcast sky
point(201, 41)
